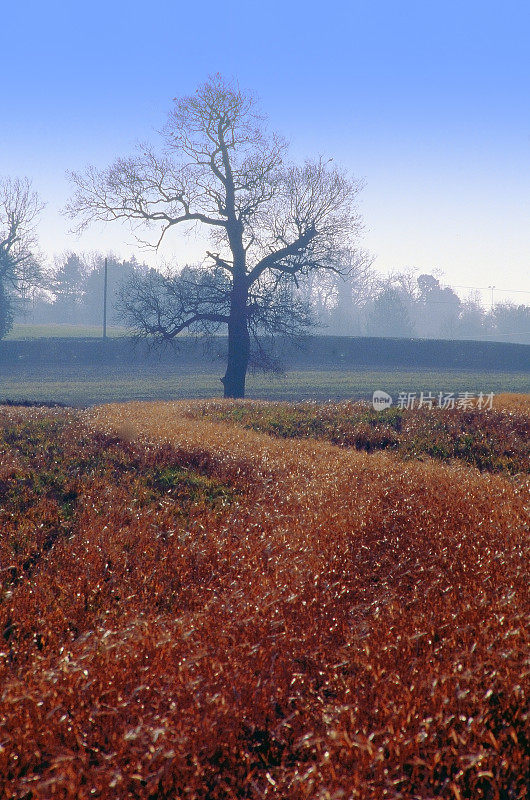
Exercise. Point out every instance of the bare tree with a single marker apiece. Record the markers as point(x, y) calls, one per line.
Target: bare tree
point(341, 297)
point(20, 267)
point(269, 222)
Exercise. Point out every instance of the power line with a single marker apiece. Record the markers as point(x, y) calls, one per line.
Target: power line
point(449, 302)
point(511, 291)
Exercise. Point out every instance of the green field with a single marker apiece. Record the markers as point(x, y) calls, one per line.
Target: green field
point(157, 382)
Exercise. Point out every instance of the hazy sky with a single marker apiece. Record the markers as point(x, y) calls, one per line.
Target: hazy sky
point(427, 101)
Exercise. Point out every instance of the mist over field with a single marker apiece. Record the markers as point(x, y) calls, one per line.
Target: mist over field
point(361, 303)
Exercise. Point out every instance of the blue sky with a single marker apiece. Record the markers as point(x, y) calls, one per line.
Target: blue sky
point(427, 101)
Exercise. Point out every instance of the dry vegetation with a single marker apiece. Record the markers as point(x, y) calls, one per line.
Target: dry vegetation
point(191, 609)
point(518, 403)
point(495, 442)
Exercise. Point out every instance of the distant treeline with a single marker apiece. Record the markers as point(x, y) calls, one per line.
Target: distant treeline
point(314, 352)
point(404, 304)
point(73, 291)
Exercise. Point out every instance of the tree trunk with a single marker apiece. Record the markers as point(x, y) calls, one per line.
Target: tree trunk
point(238, 341)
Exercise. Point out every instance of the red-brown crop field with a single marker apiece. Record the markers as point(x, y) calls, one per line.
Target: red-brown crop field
point(191, 607)
point(520, 403)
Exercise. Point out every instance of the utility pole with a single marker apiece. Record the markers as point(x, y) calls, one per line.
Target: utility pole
point(105, 300)
point(492, 288)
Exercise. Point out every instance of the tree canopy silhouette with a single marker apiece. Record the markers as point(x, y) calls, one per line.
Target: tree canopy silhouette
point(20, 267)
point(269, 222)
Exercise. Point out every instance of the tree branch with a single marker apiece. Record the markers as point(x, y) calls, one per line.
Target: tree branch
point(274, 260)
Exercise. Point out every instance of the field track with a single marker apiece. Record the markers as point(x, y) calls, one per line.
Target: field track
point(413, 551)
